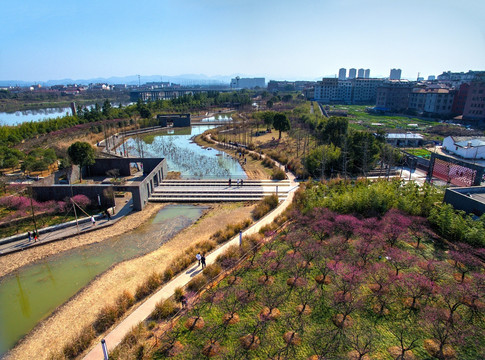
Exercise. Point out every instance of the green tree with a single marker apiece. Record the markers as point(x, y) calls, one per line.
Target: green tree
point(281, 123)
point(81, 153)
point(106, 108)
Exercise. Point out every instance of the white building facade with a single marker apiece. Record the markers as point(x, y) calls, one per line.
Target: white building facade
point(465, 146)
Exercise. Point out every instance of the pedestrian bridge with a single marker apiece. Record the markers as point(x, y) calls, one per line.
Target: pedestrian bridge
point(217, 190)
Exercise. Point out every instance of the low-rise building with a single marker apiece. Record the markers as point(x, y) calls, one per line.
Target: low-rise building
point(433, 99)
point(404, 139)
point(393, 95)
point(354, 91)
point(247, 83)
point(475, 102)
point(468, 147)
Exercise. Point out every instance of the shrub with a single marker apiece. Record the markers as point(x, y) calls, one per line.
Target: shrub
point(124, 302)
point(106, 317)
point(164, 309)
point(278, 174)
point(148, 286)
point(196, 283)
point(167, 275)
point(80, 343)
point(211, 271)
point(229, 258)
point(264, 206)
point(177, 294)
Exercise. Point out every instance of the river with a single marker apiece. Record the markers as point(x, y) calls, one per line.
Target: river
point(34, 291)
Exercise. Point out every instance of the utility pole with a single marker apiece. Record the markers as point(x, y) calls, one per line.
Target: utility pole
point(32, 208)
point(74, 206)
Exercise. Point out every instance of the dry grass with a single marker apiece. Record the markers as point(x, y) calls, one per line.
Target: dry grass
point(53, 333)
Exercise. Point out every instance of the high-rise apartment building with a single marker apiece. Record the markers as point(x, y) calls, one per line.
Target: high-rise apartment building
point(342, 74)
point(352, 73)
point(360, 73)
point(395, 74)
point(367, 73)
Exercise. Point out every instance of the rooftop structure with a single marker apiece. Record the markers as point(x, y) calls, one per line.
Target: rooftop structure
point(404, 139)
point(395, 74)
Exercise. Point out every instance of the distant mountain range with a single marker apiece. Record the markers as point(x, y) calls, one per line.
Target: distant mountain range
point(185, 79)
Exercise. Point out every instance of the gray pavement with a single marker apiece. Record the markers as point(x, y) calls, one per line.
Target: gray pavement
point(66, 232)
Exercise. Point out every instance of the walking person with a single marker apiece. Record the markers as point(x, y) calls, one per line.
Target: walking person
point(198, 257)
point(108, 215)
point(29, 235)
point(93, 220)
point(202, 261)
point(241, 182)
point(36, 235)
point(237, 182)
point(230, 181)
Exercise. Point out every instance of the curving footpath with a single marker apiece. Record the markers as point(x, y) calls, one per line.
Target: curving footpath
point(115, 336)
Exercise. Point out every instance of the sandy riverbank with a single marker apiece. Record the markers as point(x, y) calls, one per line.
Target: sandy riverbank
point(11, 262)
point(52, 334)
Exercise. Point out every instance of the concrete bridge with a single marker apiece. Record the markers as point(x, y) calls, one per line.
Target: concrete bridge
point(217, 190)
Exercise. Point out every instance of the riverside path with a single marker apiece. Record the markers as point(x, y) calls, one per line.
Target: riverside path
point(115, 336)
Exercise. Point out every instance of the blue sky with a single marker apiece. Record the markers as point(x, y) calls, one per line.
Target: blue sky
point(301, 39)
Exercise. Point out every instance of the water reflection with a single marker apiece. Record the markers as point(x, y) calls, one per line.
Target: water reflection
point(183, 155)
point(23, 299)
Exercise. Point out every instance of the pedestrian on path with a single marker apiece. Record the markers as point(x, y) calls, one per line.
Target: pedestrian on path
point(36, 235)
point(230, 181)
point(237, 182)
point(29, 235)
point(93, 220)
point(198, 257)
point(202, 260)
point(108, 214)
point(241, 182)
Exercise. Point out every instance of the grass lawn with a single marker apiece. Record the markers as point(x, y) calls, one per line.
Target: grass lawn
point(360, 119)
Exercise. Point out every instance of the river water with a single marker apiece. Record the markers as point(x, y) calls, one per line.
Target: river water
point(19, 117)
point(182, 154)
point(34, 291)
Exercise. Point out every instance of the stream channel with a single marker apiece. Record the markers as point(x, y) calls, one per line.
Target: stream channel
point(33, 292)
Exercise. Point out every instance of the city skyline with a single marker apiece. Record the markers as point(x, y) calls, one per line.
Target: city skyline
point(276, 40)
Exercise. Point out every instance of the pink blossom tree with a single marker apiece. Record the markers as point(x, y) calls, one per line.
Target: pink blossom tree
point(395, 225)
point(399, 259)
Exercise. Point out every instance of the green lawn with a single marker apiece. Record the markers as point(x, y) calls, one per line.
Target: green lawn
point(361, 119)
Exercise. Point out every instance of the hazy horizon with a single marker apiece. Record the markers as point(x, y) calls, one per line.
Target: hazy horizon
point(305, 40)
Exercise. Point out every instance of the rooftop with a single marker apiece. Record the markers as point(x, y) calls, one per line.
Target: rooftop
point(404, 136)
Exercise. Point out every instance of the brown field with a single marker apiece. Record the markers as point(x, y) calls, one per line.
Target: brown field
point(52, 334)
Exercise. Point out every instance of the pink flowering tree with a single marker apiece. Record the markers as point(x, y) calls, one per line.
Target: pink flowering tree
point(464, 260)
point(416, 288)
point(346, 225)
point(395, 225)
point(399, 259)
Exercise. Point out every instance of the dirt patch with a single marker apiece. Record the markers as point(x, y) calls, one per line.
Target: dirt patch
point(11, 262)
point(57, 330)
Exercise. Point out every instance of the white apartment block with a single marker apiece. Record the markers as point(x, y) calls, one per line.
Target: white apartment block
point(247, 83)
